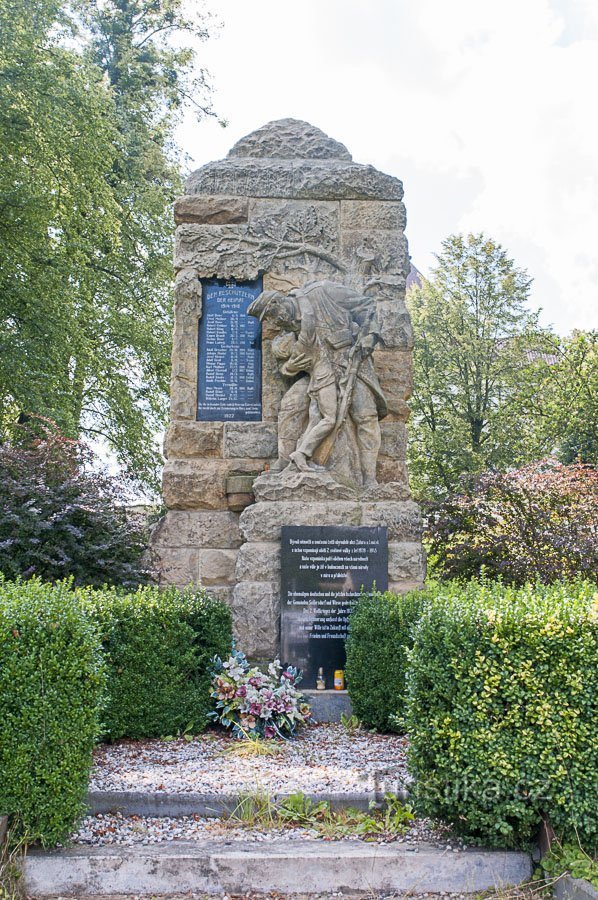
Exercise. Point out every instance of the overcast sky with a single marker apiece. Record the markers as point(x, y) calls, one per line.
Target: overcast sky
point(485, 110)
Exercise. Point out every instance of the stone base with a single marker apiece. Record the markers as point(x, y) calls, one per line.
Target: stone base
point(256, 595)
point(328, 706)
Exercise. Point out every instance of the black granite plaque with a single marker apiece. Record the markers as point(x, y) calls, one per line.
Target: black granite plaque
point(324, 569)
point(229, 380)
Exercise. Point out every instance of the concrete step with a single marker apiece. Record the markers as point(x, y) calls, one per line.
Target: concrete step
point(285, 866)
point(163, 803)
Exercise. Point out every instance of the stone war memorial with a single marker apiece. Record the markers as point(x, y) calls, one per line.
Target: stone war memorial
point(285, 478)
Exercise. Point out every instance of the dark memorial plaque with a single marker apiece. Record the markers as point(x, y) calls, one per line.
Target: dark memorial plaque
point(229, 378)
point(324, 569)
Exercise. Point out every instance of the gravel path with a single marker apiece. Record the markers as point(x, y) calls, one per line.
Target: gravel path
point(117, 829)
point(323, 758)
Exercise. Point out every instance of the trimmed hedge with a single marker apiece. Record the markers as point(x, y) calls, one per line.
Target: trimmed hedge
point(380, 634)
point(51, 683)
point(159, 645)
point(502, 709)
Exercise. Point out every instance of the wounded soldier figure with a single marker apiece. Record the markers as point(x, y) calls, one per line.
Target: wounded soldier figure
point(329, 331)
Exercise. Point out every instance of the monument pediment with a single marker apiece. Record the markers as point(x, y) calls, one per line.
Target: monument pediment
point(289, 139)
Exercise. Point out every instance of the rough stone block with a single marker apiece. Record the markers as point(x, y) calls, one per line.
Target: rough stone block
point(289, 139)
point(256, 618)
point(195, 484)
point(258, 562)
point(294, 179)
point(217, 566)
point(201, 484)
point(375, 253)
point(176, 565)
point(197, 529)
point(187, 293)
point(395, 325)
point(394, 369)
point(406, 561)
point(403, 519)
point(223, 592)
point(194, 439)
point(403, 587)
point(373, 214)
point(389, 469)
point(211, 210)
point(394, 439)
point(263, 521)
point(256, 440)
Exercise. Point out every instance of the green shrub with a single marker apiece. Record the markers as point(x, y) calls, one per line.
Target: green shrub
point(380, 634)
point(159, 646)
point(502, 709)
point(51, 684)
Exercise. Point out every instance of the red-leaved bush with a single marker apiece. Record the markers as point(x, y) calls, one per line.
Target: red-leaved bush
point(539, 522)
point(61, 518)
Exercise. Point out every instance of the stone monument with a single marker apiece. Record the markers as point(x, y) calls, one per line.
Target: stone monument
point(291, 371)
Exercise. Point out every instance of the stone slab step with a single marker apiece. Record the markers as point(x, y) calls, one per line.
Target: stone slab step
point(163, 803)
point(292, 866)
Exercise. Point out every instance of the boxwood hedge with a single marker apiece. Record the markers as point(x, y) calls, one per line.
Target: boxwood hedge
point(51, 683)
point(380, 634)
point(502, 709)
point(158, 646)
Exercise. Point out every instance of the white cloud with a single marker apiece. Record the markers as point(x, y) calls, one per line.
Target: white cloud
point(485, 110)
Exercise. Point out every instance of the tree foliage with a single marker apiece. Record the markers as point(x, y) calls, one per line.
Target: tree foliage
point(537, 522)
point(89, 98)
point(474, 337)
point(60, 518)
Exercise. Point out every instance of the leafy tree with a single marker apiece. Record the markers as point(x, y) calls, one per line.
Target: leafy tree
point(60, 517)
point(537, 522)
point(86, 184)
point(472, 355)
point(565, 406)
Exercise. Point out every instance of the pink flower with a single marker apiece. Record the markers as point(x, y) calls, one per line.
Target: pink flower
point(269, 731)
point(241, 691)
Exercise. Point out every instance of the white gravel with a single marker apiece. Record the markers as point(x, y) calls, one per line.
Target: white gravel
point(321, 759)
point(106, 829)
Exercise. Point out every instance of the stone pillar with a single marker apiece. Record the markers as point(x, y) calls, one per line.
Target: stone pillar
point(290, 205)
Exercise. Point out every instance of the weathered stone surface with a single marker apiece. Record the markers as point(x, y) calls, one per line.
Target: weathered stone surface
point(369, 255)
point(197, 528)
point(394, 369)
point(388, 490)
point(193, 440)
point(289, 139)
point(395, 325)
point(179, 566)
point(373, 214)
point(256, 440)
point(390, 470)
point(240, 484)
point(217, 566)
point(259, 561)
point(294, 179)
point(187, 293)
point(403, 519)
point(285, 282)
point(301, 486)
point(403, 587)
point(263, 520)
point(223, 592)
point(406, 561)
point(394, 440)
point(211, 210)
point(194, 484)
point(201, 484)
point(256, 615)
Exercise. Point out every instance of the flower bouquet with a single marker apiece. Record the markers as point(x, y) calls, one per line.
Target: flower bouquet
point(255, 704)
